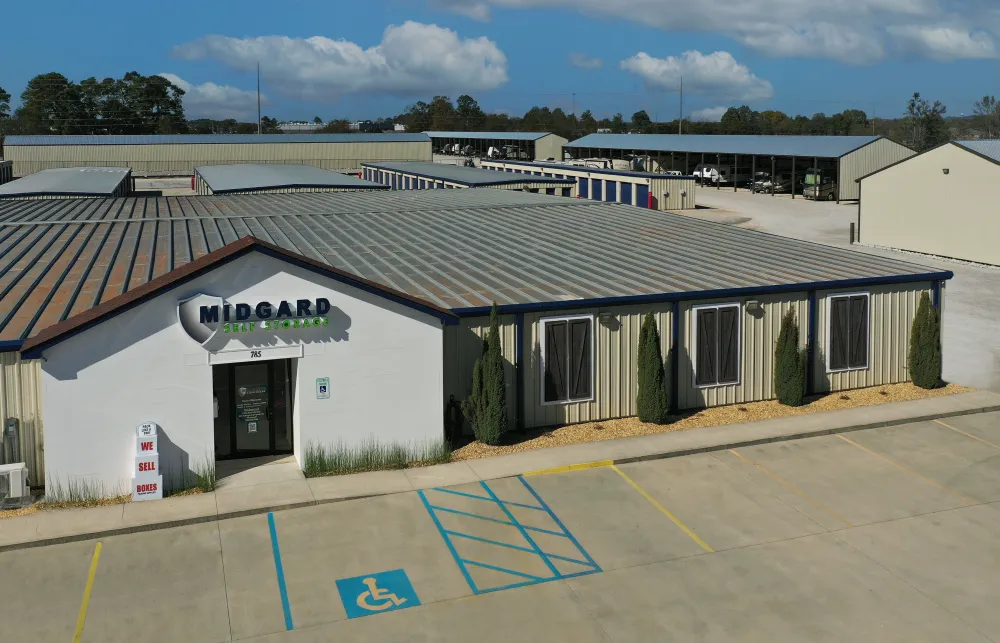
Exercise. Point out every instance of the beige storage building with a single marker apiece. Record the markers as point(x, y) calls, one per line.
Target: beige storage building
point(444, 176)
point(642, 189)
point(573, 280)
point(942, 202)
point(524, 146)
point(180, 154)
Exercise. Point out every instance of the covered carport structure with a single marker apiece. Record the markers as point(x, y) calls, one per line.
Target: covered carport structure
point(527, 146)
point(845, 158)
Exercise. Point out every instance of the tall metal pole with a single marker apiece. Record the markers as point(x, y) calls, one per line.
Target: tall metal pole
point(258, 98)
point(680, 120)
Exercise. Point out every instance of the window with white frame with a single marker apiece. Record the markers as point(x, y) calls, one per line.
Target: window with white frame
point(716, 344)
point(847, 332)
point(567, 359)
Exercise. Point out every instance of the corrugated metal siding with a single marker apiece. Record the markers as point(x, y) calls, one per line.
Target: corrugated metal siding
point(549, 146)
point(680, 193)
point(891, 313)
point(526, 185)
point(870, 158)
point(759, 334)
point(21, 398)
point(616, 350)
point(463, 345)
point(6, 172)
point(182, 158)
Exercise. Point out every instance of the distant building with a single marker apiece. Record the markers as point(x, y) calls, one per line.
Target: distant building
point(604, 130)
point(297, 127)
point(399, 127)
point(362, 126)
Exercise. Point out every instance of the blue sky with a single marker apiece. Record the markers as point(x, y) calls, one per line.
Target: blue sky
point(372, 57)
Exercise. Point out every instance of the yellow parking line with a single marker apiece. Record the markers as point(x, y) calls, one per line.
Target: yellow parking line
point(911, 471)
point(793, 488)
point(572, 467)
point(968, 435)
point(693, 536)
point(82, 618)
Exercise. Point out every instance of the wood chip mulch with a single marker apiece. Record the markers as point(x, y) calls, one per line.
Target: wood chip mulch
point(716, 416)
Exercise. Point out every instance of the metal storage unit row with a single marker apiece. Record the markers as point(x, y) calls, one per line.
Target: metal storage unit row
point(181, 154)
point(616, 344)
point(72, 183)
point(641, 189)
point(439, 176)
point(6, 171)
point(274, 179)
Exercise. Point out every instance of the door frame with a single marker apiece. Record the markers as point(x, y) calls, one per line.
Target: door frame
point(242, 454)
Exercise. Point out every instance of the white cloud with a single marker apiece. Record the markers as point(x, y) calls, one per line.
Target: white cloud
point(851, 31)
point(583, 61)
point(412, 59)
point(716, 74)
point(219, 102)
point(475, 9)
point(943, 43)
point(709, 114)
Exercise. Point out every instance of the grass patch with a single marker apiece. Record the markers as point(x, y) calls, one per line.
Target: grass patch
point(81, 492)
point(372, 455)
point(201, 478)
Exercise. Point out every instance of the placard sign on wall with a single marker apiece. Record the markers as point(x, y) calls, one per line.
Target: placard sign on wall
point(322, 388)
point(147, 482)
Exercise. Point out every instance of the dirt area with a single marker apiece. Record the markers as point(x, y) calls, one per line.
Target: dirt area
point(720, 415)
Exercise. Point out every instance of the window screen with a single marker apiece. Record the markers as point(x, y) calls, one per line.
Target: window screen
point(717, 345)
point(567, 360)
point(848, 347)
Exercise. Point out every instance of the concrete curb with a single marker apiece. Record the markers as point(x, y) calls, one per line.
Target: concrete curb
point(678, 453)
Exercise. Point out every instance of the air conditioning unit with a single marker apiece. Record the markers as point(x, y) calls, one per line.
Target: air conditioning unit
point(14, 484)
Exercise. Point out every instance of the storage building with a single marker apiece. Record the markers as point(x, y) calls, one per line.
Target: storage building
point(941, 202)
point(6, 171)
point(77, 182)
point(272, 178)
point(432, 176)
point(642, 189)
point(838, 160)
point(522, 146)
point(180, 154)
point(252, 325)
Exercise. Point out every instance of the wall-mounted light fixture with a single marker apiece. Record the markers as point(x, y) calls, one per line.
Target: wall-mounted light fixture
point(606, 317)
point(753, 306)
point(946, 171)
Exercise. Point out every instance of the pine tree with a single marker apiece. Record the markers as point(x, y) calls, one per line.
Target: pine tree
point(651, 401)
point(486, 406)
point(925, 345)
point(789, 363)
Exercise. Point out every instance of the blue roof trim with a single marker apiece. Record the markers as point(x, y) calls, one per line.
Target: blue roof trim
point(704, 294)
point(36, 351)
point(195, 139)
point(592, 170)
point(484, 183)
point(10, 345)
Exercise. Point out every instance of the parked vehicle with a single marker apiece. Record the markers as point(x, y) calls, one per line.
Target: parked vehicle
point(820, 185)
point(782, 183)
point(494, 153)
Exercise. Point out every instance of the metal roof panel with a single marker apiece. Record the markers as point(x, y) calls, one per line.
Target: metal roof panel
point(469, 176)
point(243, 177)
point(68, 181)
point(200, 139)
point(506, 136)
point(804, 146)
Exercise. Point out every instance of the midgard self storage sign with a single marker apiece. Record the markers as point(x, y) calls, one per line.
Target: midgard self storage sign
point(203, 317)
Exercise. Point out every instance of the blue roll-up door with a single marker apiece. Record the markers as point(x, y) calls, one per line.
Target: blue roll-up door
point(642, 195)
point(626, 193)
point(583, 188)
point(596, 190)
point(450, 187)
point(611, 191)
point(567, 191)
point(550, 191)
point(423, 184)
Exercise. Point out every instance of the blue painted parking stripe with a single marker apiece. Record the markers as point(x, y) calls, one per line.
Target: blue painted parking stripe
point(497, 500)
point(555, 518)
point(280, 570)
point(524, 532)
point(545, 531)
point(447, 541)
point(502, 569)
point(470, 515)
point(490, 542)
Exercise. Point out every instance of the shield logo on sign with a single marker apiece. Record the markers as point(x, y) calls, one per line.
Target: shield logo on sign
point(200, 327)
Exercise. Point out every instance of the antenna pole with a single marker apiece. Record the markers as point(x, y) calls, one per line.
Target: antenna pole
point(258, 98)
point(680, 121)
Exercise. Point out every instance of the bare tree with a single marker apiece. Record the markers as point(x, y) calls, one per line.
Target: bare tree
point(988, 111)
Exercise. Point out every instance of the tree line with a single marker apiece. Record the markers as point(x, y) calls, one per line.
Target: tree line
point(137, 104)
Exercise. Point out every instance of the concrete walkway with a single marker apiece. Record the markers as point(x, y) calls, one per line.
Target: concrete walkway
point(279, 484)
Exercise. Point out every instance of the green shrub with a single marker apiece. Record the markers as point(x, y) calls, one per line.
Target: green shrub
point(486, 406)
point(371, 455)
point(789, 363)
point(651, 400)
point(925, 345)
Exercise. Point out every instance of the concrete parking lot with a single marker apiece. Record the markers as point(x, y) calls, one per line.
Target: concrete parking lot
point(881, 535)
point(972, 304)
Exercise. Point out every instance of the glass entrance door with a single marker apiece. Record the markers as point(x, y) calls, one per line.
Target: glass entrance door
point(252, 409)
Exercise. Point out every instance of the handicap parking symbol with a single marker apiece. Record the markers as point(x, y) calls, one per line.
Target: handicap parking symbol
point(376, 593)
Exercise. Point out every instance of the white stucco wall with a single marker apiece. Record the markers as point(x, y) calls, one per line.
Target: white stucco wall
point(384, 361)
